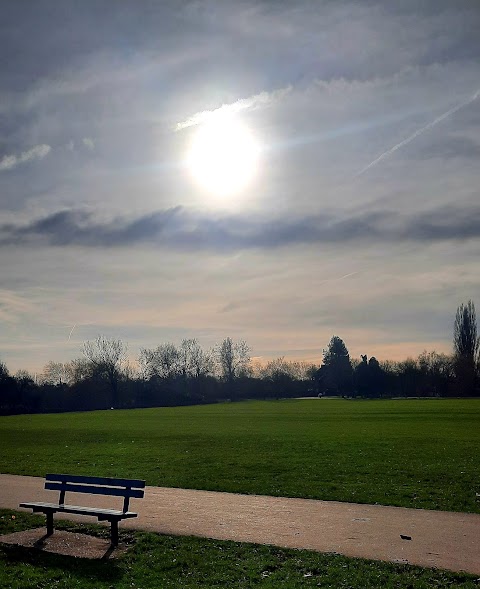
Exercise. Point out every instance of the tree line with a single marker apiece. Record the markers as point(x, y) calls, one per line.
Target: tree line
point(187, 374)
point(431, 374)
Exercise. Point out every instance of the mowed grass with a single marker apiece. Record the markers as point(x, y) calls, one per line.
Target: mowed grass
point(413, 453)
point(155, 560)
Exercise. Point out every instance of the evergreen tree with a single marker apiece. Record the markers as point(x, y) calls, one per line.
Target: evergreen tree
point(362, 377)
point(338, 370)
point(377, 377)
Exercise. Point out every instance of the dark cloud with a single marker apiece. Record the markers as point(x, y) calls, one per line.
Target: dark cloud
point(69, 227)
point(180, 229)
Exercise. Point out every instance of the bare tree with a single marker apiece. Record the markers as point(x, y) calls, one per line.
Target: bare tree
point(8, 390)
point(144, 364)
point(107, 357)
point(25, 381)
point(466, 346)
point(280, 374)
point(303, 370)
point(465, 340)
point(163, 361)
point(184, 357)
point(233, 359)
point(437, 370)
point(77, 370)
point(195, 362)
point(278, 369)
point(54, 373)
point(23, 375)
point(168, 361)
point(409, 377)
point(3, 370)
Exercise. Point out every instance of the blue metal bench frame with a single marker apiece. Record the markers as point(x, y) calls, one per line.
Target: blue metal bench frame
point(64, 483)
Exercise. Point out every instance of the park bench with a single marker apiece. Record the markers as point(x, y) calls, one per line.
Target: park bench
point(125, 488)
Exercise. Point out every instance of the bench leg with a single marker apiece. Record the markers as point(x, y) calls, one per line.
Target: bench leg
point(49, 515)
point(114, 523)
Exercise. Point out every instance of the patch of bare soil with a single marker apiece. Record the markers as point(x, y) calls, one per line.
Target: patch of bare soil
point(65, 543)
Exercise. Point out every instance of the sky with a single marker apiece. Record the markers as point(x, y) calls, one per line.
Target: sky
point(360, 216)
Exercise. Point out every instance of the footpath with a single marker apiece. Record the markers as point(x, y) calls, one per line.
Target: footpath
point(427, 538)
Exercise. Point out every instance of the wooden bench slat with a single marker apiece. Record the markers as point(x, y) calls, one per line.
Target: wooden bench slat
point(94, 490)
point(78, 509)
point(132, 483)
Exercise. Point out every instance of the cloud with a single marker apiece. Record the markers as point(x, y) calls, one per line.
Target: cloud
point(8, 162)
point(88, 143)
point(252, 102)
point(13, 306)
point(179, 229)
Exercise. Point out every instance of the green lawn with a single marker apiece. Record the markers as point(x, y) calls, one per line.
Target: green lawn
point(415, 453)
point(155, 561)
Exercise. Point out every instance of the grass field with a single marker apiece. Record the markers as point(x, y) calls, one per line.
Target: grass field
point(414, 453)
point(154, 561)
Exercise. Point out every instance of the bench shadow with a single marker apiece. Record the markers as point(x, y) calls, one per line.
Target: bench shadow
point(110, 550)
point(41, 543)
point(103, 569)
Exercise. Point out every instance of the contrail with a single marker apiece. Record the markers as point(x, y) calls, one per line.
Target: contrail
point(348, 275)
point(420, 131)
point(340, 277)
point(71, 331)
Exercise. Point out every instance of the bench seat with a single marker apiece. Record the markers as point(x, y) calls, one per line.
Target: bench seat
point(94, 511)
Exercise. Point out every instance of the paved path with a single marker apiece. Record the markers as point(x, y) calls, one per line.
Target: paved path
point(438, 539)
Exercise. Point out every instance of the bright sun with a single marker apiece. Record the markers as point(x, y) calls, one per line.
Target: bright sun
point(223, 156)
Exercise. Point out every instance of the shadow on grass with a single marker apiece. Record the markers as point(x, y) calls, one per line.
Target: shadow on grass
point(103, 570)
point(30, 564)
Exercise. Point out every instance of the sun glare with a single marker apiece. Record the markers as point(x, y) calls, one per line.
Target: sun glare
point(223, 156)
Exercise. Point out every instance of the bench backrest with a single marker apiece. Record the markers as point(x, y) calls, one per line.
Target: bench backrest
point(125, 488)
